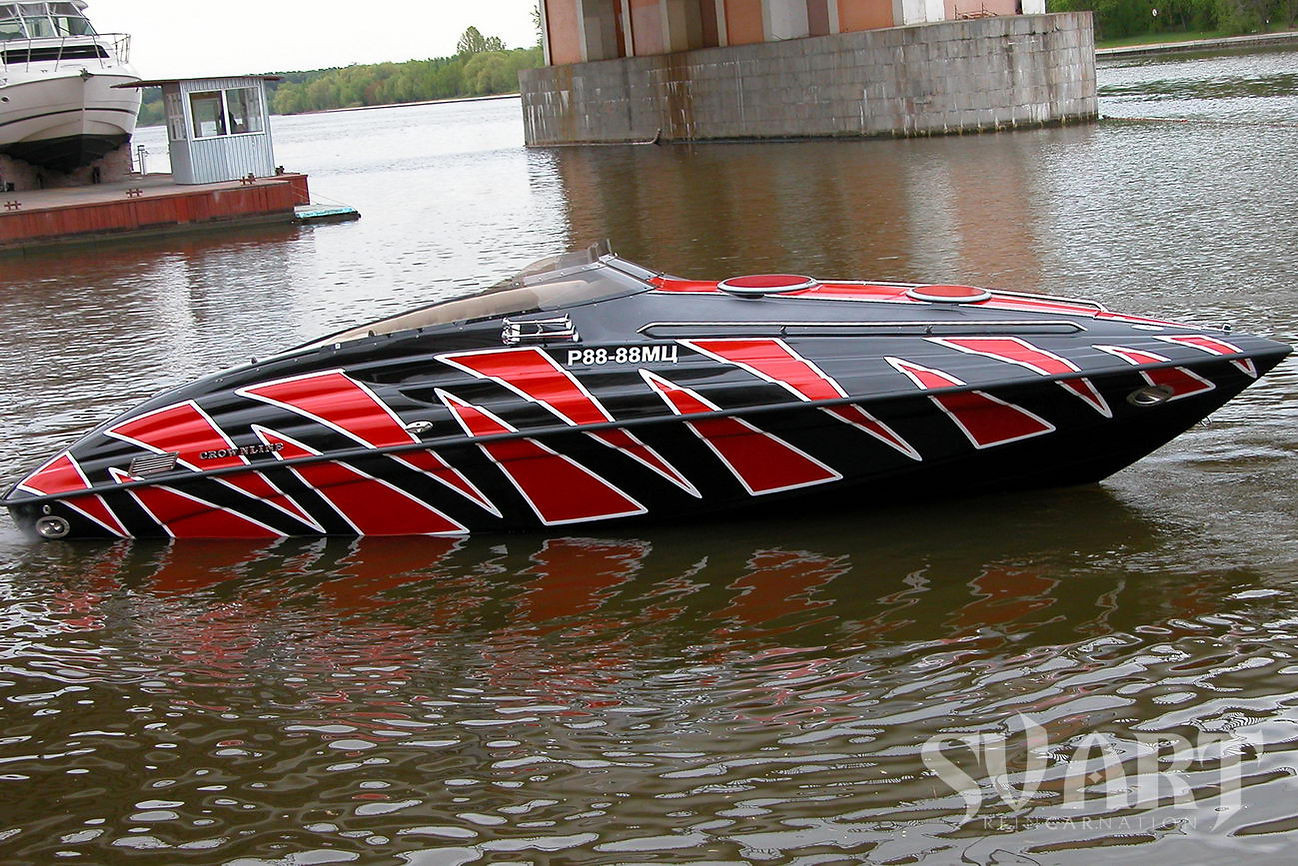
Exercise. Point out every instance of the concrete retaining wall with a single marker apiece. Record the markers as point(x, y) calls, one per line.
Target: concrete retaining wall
point(950, 77)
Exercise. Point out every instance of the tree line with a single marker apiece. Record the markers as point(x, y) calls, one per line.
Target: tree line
point(482, 66)
point(1115, 19)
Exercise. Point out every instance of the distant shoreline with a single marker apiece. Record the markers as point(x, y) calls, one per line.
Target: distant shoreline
point(1251, 41)
point(493, 96)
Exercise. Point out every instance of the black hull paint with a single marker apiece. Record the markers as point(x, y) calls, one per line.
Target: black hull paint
point(67, 153)
point(873, 478)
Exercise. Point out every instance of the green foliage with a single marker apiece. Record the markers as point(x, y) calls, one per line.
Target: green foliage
point(478, 73)
point(536, 23)
point(471, 42)
point(1115, 19)
point(151, 111)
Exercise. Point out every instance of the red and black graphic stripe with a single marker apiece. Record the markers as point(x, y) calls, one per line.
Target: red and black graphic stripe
point(558, 489)
point(1015, 350)
point(1180, 381)
point(760, 461)
point(346, 406)
point(537, 378)
point(985, 420)
point(775, 361)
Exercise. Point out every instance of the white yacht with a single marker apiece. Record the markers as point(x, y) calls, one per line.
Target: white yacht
point(58, 108)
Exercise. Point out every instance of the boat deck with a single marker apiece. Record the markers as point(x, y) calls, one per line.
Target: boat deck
point(153, 204)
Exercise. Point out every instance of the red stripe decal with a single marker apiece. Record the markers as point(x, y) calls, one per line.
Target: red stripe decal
point(775, 361)
point(985, 420)
point(59, 475)
point(186, 516)
point(537, 378)
point(533, 375)
point(628, 444)
point(371, 506)
point(1213, 346)
point(760, 461)
point(62, 475)
point(1014, 350)
point(1010, 302)
point(341, 403)
point(1179, 380)
point(187, 430)
point(558, 489)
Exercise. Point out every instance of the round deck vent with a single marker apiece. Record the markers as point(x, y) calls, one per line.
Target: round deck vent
point(757, 285)
point(948, 294)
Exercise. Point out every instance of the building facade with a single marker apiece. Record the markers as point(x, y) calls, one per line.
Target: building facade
point(580, 31)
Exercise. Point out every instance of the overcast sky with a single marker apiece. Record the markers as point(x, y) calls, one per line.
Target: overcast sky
point(197, 38)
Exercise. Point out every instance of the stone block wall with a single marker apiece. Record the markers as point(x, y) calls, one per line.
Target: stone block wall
point(926, 79)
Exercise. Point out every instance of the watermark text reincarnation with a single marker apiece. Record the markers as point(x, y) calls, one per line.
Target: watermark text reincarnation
point(1002, 775)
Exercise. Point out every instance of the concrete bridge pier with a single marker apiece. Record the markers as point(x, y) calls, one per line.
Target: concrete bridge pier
point(948, 77)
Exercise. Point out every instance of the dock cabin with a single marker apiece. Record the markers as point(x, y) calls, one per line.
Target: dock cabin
point(218, 129)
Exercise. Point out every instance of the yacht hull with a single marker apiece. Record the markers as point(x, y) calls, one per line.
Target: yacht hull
point(62, 121)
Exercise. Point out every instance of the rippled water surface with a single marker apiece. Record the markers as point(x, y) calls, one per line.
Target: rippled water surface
point(1100, 674)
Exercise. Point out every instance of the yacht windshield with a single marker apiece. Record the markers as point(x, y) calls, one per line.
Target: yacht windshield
point(42, 21)
point(10, 25)
point(559, 281)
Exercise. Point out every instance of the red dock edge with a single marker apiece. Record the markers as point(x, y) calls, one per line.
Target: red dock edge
point(153, 205)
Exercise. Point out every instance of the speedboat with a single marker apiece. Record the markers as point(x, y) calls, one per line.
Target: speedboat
point(58, 106)
point(591, 390)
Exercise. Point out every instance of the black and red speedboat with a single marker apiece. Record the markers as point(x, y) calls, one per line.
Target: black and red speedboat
point(588, 389)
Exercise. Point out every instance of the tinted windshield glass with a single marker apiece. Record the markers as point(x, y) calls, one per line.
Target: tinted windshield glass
point(540, 286)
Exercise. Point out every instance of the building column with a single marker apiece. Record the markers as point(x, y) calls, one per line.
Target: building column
point(581, 29)
point(628, 26)
point(545, 32)
point(784, 19)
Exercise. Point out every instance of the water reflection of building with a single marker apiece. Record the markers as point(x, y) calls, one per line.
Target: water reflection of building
point(625, 70)
point(931, 211)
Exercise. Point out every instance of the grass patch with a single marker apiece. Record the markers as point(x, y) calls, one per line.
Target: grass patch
point(1164, 36)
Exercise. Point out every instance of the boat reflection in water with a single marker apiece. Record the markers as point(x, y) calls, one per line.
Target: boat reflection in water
point(565, 672)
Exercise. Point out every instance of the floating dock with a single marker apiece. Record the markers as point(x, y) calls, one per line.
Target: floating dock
point(148, 205)
point(325, 213)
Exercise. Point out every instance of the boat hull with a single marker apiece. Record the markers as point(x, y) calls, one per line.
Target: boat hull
point(324, 453)
point(64, 120)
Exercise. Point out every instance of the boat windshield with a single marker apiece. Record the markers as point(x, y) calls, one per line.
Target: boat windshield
point(42, 21)
point(564, 280)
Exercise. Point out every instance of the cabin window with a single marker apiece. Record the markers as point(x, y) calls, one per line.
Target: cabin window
point(236, 111)
point(209, 116)
point(244, 109)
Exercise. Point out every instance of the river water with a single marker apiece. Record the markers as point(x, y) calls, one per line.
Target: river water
point(1119, 659)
